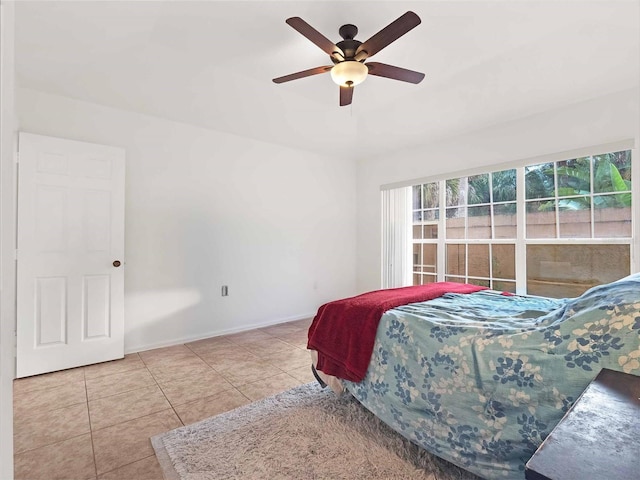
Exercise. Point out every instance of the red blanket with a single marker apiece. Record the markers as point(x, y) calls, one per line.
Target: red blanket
point(343, 332)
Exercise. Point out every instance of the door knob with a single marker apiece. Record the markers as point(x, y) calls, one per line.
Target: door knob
point(116, 263)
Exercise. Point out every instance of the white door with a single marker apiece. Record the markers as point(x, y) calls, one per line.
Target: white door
point(70, 265)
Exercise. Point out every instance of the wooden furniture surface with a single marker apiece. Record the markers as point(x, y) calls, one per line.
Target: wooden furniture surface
point(598, 438)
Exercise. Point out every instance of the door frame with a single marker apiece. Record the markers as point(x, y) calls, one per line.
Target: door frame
point(8, 199)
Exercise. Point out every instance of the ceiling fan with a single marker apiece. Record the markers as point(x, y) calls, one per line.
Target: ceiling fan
point(348, 55)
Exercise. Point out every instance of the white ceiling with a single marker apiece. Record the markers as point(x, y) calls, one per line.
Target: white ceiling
point(210, 63)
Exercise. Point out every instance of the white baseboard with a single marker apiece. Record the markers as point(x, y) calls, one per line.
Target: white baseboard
point(214, 333)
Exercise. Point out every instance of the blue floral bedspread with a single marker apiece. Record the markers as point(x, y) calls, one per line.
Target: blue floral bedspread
point(481, 379)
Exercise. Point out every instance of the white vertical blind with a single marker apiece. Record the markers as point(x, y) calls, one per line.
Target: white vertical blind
point(635, 211)
point(396, 237)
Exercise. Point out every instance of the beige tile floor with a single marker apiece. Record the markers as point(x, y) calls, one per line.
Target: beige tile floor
point(94, 422)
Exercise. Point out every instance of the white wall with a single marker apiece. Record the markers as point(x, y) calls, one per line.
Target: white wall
point(277, 225)
point(206, 209)
point(603, 120)
point(7, 237)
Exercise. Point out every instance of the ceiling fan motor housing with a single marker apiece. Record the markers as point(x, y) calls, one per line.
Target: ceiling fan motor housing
point(348, 45)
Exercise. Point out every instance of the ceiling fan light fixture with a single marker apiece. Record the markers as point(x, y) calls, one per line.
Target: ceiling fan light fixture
point(349, 73)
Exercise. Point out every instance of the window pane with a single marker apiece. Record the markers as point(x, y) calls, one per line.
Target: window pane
point(481, 283)
point(479, 260)
point(429, 257)
point(424, 279)
point(574, 177)
point(417, 232)
point(455, 279)
point(430, 215)
point(455, 191)
point(612, 221)
point(618, 200)
point(417, 259)
point(478, 189)
point(504, 286)
point(622, 160)
point(539, 182)
point(430, 231)
point(458, 212)
point(574, 217)
point(504, 220)
point(503, 261)
point(541, 219)
point(455, 222)
point(417, 197)
point(430, 195)
point(569, 270)
point(456, 261)
point(574, 203)
point(425, 202)
point(504, 186)
point(425, 258)
point(479, 222)
point(612, 172)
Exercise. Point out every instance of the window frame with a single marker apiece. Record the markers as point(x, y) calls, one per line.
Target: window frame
point(521, 241)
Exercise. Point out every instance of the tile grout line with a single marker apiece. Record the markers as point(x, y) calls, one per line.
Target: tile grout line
point(126, 465)
point(168, 401)
point(54, 443)
point(133, 389)
point(233, 387)
point(244, 346)
point(93, 448)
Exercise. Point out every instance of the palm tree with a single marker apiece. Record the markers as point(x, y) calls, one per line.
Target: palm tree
point(539, 181)
point(504, 185)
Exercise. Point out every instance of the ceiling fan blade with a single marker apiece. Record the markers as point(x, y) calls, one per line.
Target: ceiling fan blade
point(302, 74)
point(390, 33)
point(396, 73)
point(315, 36)
point(346, 95)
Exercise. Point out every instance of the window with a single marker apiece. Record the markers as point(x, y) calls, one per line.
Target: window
point(588, 197)
point(575, 218)
point(582, 198)
point(479, 230)
point(426, 212)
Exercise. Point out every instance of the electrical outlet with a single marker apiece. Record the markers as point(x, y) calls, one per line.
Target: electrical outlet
point(225, 291)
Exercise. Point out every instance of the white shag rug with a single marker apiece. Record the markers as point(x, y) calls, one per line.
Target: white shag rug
point(303, 433)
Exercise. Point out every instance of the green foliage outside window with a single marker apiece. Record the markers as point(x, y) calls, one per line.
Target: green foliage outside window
point(611, 176)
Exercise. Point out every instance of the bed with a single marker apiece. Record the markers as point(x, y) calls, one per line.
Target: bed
point(481, 378)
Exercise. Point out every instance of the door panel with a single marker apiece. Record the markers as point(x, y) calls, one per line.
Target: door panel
point(51, 311)
point(70, 231)
point(96, 312)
